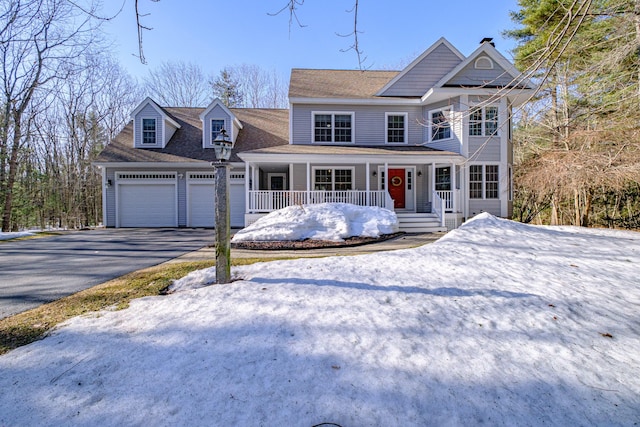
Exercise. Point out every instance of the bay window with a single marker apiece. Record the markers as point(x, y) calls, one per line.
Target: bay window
point(484, 182)
point(483, 121)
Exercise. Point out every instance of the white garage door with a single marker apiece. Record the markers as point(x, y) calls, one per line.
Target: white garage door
point(149, 202)
point(200, 200)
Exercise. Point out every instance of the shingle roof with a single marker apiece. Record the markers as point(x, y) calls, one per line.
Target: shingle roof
point(352, 84)
point(262, 128)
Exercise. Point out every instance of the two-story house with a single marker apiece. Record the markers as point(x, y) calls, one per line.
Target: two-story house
point(432, 142)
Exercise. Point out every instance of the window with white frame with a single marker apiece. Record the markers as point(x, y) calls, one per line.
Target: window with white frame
point(484, 182)
point(440, 124)
point(148, 131)
point(216, 126)
point(483, 121)
point(332, 127)
point(396, 128)
point(332, 179)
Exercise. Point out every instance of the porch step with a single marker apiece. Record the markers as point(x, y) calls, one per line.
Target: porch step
point(412, 222)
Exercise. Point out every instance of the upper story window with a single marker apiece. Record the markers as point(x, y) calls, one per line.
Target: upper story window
point(440, 124)
point(483, 182)
point(483, 121)
point(333, 127)
point(216, 126)
point(396, 128)
point(148, 131)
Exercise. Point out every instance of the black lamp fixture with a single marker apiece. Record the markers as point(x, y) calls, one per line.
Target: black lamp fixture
point(222, 146)
point(375, 173)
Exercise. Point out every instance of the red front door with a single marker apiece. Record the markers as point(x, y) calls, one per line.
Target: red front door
point(396, 187)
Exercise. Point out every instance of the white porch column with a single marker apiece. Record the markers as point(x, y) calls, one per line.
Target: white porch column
point(368, 184)
point(308, 176)
point(289, 183)
point(454, 192)
point(247, 187)
point(433, 181)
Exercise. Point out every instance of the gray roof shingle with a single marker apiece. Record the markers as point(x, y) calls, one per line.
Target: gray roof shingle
point(262, 128)
point(351, 84)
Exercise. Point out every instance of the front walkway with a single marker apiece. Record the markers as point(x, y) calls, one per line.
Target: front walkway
point(410, 240)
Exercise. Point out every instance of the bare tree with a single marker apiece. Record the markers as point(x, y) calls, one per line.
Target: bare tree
point(178, 83)
point(259, 88)
point(38, 38)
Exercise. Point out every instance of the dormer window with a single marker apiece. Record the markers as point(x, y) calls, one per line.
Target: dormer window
point(216, 126)
point(149, 131)
point(483, 63)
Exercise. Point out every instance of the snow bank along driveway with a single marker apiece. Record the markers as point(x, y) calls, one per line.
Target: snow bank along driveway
point(496, 323)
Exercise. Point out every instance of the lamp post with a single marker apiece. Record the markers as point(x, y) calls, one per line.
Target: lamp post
point(222, 149)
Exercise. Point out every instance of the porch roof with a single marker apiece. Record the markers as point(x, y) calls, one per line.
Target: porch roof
point(342, 154)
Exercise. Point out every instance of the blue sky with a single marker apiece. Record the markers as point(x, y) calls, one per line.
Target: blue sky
point(215, 34)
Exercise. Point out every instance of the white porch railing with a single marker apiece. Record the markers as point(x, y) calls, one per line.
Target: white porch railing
point(270, 200)
point(447, 197)
point(438, 207)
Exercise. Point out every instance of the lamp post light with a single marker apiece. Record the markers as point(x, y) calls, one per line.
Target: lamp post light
point(222, 149)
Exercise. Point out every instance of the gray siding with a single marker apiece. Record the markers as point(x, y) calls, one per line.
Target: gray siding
point(426, 73)
point(487, 149)
point(299, 180)
point(369, 122)
point(470, 76)
point(148, 112)
point(477, 206)
point(216, 113)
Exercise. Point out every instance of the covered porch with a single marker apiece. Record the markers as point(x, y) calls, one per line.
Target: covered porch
point(417, 182)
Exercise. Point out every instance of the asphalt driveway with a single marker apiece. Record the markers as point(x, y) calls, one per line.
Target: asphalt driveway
point(36, 271)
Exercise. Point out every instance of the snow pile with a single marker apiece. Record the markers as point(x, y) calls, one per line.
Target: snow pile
point(497, 323)
point(325, 221)
point(15, 234)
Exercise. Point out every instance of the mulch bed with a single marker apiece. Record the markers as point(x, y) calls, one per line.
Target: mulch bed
point(311, 244)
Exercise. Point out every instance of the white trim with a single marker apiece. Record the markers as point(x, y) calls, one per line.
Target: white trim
point(150, 181)
point(284, 180)
point(333, 128)
point(386, 127)
point(103, 171)
point(482, 106)
point(155, 126)
point(416, 61)
point(156, 107)
point(217, 102)
point(351, 159)
point(484, 181)
point(492, 53)
point(447, 112)
point(478, 63)
point(333, 182)
point(355, 101)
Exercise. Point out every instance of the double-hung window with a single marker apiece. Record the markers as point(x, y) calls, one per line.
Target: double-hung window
point(332, 179)
point(333, 127)
point(440, 124)
point(483, 121)
point(216, 126)
point(484, 182)
point(396, 128)
point(148, 131)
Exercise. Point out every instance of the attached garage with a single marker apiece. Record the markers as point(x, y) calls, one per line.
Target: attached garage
point(146, 199)
point(200, 199)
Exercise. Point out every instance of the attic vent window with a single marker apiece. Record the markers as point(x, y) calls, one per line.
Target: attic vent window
point(484, 63)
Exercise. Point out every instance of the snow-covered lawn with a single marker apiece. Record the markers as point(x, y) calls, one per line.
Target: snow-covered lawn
point(497, 323)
